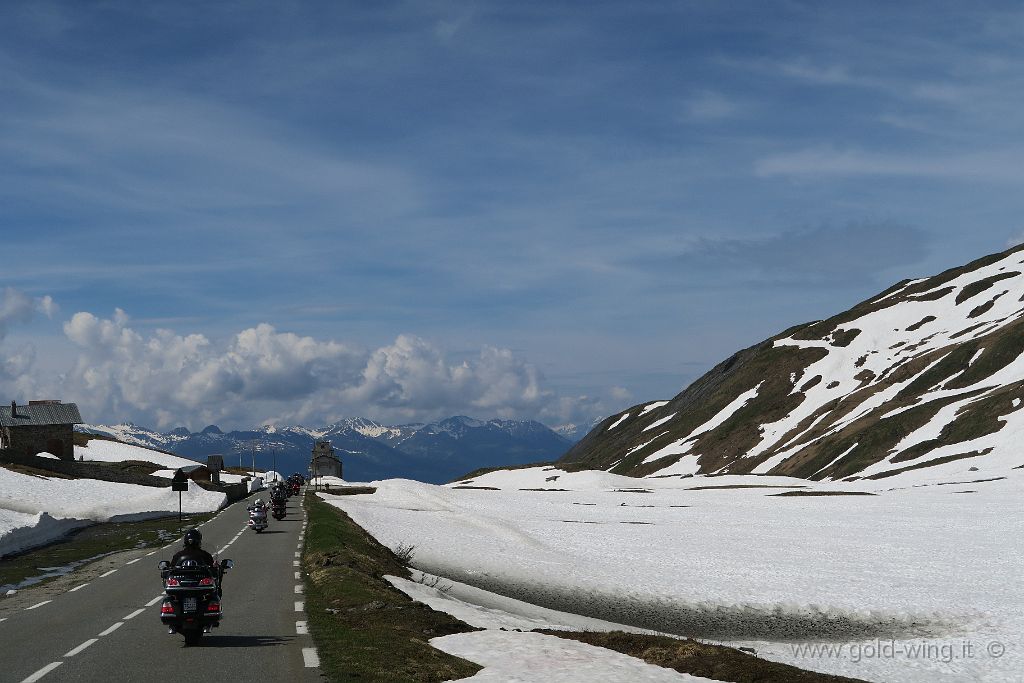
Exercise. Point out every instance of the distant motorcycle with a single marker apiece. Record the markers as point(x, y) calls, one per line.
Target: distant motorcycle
point(279, 509)
point(258, 519)
point(192, 602)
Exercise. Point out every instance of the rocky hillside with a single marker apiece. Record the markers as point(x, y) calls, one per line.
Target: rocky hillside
point(927, 372)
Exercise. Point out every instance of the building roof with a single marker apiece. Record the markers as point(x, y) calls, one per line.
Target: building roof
point(35, 415)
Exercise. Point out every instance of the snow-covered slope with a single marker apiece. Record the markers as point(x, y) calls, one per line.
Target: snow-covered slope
point(919, 582)
point(926, 373)
point(35, 509)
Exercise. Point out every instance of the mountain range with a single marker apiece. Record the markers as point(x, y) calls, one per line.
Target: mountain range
point(925, 374)
point(436, 453)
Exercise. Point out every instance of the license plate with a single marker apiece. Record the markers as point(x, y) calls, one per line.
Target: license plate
point(189, 604)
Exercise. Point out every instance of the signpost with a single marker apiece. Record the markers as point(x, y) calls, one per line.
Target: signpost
point(179, 483)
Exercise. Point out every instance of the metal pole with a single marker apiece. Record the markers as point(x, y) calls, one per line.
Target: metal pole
point(179, 512)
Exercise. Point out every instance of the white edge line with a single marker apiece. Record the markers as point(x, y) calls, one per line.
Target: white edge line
point(132, 561)
point(301, 629)
point(75, 651)
point(300, 606)
point(298, 588)
point(39, 604)
point(154, 601)
point(108, 573)
point(310, 658)
point(112, 628)
point(78, 588)
point(42, 672)
point(134, 614)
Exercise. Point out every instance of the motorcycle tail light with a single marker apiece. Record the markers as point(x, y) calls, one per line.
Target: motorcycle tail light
point(173, 582)
point(167, 608)
point(206, 581)
point(213, 607)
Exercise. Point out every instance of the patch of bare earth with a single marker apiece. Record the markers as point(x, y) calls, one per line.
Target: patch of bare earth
point(687, 656)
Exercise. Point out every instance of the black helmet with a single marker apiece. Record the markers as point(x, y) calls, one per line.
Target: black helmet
point(193, 537)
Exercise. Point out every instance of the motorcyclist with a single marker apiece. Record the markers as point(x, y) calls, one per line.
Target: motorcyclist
point(192, 550)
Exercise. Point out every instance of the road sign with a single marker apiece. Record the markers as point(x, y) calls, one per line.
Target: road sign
point(179, 482)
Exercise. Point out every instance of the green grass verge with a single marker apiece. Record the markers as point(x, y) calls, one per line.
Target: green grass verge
point(56, 559)
point(365, 629)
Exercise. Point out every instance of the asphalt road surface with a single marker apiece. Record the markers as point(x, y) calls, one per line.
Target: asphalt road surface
point(106, 627)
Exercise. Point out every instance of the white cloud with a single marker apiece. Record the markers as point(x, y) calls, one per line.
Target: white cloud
point(15, 307)
point(262, 375)
point(16, 365)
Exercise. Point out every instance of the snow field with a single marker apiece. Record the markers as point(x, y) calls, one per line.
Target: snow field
point(35, 510)
point(925, 563)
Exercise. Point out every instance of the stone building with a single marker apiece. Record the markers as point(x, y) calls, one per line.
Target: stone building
point(324, 463)
point(39, 427)
point(215, 463)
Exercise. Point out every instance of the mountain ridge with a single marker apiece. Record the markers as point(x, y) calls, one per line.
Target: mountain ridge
point(369, 450)
point(925, 373)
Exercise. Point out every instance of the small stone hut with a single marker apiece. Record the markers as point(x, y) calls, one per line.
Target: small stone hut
point(39, 427)
point(324, 463)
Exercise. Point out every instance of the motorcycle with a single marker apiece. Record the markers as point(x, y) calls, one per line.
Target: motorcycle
point(192, 603)
point(258, 519)
point(279, 509)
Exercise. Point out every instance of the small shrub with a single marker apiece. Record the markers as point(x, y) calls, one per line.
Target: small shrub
point(404, 552)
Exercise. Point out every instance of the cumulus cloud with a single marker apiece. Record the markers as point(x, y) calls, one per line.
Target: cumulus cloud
point(17, 307)
point(262, 375)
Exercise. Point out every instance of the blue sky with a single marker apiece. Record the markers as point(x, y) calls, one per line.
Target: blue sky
point(250, 212)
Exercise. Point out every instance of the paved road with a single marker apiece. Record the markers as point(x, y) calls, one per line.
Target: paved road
point(109, 628)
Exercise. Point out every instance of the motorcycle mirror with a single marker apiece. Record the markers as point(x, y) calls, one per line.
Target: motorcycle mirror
point(227, 564)
point(163, 564)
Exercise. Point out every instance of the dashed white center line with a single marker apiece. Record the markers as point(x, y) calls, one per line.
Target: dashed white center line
point(298, 554)
point(42, 672)
point(132, 561)
point(298, 575)
point(108, 573)
point(112, 628)
point(295, 563)
point(223, 549)
point(81, 647)
point(301, 629)
point(154, 601)
point(152, 553)
point(134, 614)
point(78, 588)
point(3, 618)
point(299, 606)
point(298, 588)
point(310, 657)
point(39, 604)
